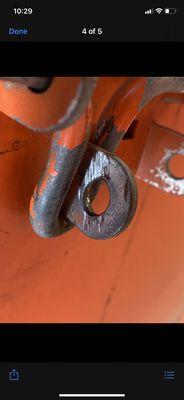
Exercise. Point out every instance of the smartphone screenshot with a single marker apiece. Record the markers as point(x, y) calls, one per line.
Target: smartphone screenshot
point(91, 200)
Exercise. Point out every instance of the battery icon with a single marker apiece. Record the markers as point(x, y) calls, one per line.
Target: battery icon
point(170, 10)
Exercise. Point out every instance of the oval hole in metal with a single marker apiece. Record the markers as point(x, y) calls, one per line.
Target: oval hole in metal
point(97, 197)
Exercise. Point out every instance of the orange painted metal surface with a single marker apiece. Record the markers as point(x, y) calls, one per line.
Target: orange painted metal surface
point(136, 277)
point(38, 109)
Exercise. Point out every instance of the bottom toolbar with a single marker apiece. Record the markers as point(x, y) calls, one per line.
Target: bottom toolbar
point(91, 380)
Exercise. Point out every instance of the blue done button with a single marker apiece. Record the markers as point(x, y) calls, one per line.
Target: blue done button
point(18, 32)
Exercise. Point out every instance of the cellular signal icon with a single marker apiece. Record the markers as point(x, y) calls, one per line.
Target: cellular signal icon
point(150, 11)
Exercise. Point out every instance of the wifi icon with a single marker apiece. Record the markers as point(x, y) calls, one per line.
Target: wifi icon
point(158, 10)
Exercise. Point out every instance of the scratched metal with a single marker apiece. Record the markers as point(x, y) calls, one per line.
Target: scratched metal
point(162, 177)
point(102, 166)
point(46, 215)
point(162, 144)
point(106, 133)
point(108, 136)
point(96, 165)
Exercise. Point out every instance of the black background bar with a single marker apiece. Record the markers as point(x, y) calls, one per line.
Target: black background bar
point(94, 59)
point(92, 342)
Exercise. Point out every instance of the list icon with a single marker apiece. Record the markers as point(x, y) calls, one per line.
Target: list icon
point(169, 375)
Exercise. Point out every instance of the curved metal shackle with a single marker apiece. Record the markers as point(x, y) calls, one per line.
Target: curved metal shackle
point(76, 211)
point(58, 203)
point(66, 151)
point(67, 148)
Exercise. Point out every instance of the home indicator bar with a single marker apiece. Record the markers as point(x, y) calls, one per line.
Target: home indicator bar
point(91, 395)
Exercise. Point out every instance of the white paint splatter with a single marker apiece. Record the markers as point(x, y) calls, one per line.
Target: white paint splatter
point(164, 180)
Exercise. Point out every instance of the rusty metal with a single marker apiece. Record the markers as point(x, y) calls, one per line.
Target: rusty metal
point(52, 188)
point(65, 154)
point(59, 202)
point(47, 215)
point(47, 208)
point(98, 165)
